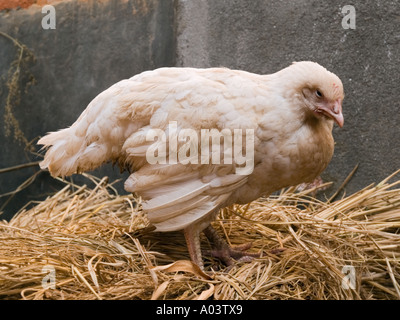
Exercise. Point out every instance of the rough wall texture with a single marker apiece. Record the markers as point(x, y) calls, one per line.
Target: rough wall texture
point(97, 43)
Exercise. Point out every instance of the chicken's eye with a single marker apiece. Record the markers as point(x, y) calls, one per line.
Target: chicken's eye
point(318, 93)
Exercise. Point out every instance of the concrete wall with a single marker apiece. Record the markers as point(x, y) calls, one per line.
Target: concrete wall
point(97, 43)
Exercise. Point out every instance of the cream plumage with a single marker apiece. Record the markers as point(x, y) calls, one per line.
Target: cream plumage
point(290, 113)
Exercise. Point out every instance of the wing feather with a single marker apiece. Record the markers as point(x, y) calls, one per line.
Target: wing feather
point(185, 191)
point(114, 128)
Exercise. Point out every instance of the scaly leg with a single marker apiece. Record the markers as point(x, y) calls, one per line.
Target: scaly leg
point(192, 237)
point(224, 252)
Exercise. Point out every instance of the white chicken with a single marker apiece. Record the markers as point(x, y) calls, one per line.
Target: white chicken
point(289, 116)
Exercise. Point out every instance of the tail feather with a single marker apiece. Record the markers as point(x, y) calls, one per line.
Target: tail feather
point(93, 139)
point(68, 153)
point(60, 158)
point(52, 137)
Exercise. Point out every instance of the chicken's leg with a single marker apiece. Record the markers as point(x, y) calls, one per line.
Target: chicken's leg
point(192, 236)
point(226, 253)
point(221, 249)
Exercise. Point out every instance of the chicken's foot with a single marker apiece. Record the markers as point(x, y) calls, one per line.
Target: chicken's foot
point(224, 252)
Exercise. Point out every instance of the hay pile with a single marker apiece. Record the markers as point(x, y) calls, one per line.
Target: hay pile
point(93, 244)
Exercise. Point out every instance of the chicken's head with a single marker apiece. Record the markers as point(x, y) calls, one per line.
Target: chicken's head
point(320, 91)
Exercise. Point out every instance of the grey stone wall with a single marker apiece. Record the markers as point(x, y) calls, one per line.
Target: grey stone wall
point(97, 43)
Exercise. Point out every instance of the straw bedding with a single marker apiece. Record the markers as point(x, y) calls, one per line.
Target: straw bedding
point(84, 243)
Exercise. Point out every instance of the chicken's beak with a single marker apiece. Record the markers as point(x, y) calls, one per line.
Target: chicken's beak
point(334, 111)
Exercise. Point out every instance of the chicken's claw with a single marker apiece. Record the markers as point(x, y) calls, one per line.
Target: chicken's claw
point(229, 255)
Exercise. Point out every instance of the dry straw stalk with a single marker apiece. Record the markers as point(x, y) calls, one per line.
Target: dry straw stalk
point(93, 244)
